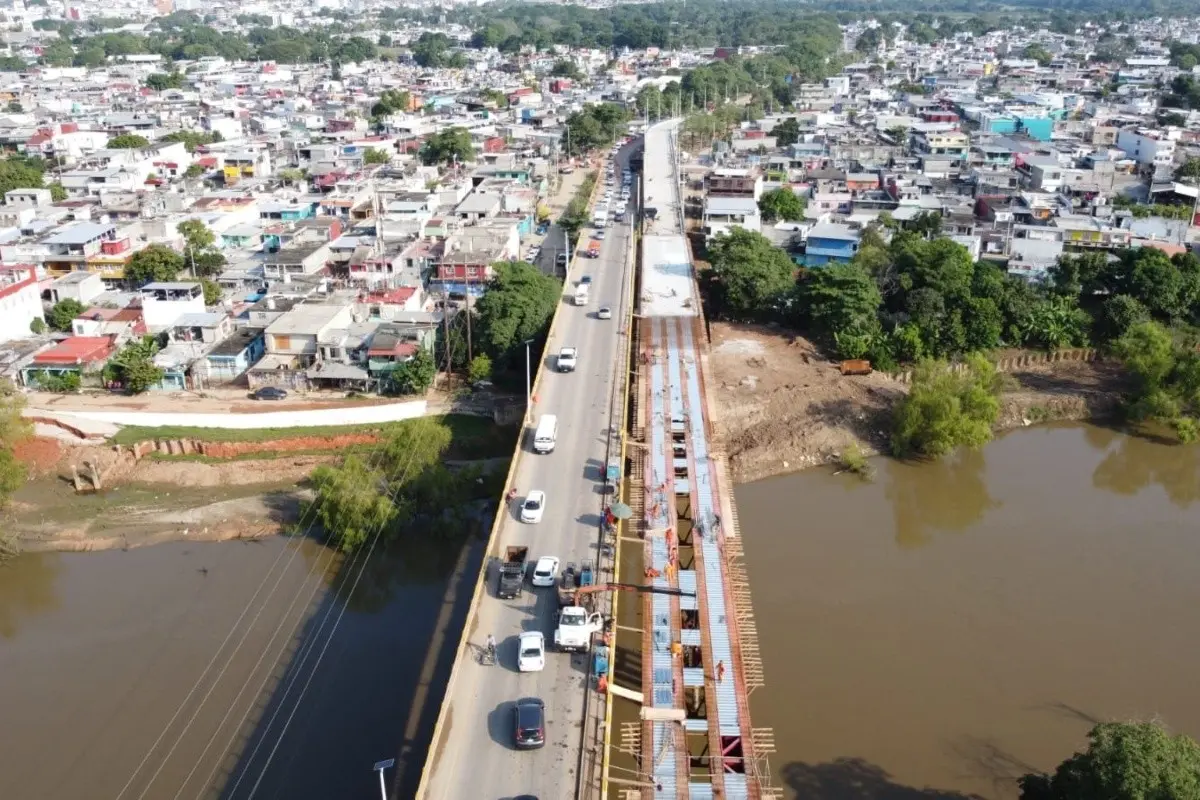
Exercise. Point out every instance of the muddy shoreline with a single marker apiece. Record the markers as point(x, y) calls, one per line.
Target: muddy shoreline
point(781, 406)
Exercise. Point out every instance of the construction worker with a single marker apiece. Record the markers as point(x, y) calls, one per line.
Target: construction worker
point(720, 671)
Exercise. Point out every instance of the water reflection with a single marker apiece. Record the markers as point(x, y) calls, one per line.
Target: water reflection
point(27, 587)
point(947, 495)
point(854, 779)
point(1137, 463)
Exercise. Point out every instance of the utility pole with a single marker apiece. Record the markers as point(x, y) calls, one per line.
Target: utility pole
point(467, 277)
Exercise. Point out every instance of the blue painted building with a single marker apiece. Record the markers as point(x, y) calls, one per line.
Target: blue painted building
point(236, 354)
point(1036, 128)
point(829, 242)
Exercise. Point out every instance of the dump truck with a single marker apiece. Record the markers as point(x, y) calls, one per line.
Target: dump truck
point(512, 572)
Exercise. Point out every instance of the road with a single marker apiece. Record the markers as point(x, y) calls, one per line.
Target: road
point(477, 759)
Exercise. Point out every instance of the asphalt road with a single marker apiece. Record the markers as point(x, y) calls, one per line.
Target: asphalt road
point(478, 759)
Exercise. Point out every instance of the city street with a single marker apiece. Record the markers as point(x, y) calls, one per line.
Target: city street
point(476, 757)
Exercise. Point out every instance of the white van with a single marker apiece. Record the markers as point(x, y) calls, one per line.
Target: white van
point(581, 294)
point(546, 434)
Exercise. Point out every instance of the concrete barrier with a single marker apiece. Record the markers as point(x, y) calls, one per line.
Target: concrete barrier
point(316, 417)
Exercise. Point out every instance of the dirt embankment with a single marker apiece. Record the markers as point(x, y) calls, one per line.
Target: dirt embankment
point(783, 406)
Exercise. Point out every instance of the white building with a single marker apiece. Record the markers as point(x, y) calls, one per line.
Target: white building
point(165, 302)
point(20, 302)
point(1146, 146)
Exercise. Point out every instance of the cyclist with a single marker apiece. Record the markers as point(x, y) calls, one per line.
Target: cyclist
point(491, 647)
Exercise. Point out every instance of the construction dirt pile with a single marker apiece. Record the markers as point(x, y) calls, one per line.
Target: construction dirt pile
point(782, 406)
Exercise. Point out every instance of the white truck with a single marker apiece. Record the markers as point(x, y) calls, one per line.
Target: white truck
point(575, 629)
point(581, 294)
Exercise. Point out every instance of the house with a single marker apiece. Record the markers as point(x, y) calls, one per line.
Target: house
point(207, 328)
point(69, 247)
point(231, 357)
point(302, 257)
point(164, 302)
point(1147, 147)
point(722, 214)
point(80, 286)
point(75, 355)
point(120, 324)
point(829, 242)
point(293, 344)
point(20, 301)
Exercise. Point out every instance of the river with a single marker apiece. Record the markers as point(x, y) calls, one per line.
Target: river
point(208, 670)
point(944, 629)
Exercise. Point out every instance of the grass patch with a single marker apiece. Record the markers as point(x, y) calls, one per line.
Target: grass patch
point(852, 459)
point(473, 437)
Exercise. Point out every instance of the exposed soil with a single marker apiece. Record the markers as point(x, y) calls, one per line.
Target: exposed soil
point(782, 405)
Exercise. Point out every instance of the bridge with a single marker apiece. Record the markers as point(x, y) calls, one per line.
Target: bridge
point(666, 714)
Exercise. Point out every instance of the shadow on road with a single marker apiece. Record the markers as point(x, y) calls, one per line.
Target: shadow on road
point(500, 724)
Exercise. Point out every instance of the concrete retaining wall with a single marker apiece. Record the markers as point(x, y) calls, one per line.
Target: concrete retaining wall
point(346, 415)
point(184, 447)
point(1013, 363)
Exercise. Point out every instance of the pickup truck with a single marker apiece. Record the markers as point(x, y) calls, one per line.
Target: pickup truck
point(567, 359)
point(575, 629)
point(512, 572)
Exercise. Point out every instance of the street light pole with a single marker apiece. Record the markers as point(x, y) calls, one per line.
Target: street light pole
point(380, 766)
point(528, 385)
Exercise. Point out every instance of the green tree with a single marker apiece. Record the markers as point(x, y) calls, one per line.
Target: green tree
point(128, 141)
point(566, 69)
point(414, 376)
point(212, 292)
point(434, 50)
point(17, 173)
point(517, 306)
point(480, 369)
point(1038, 53)
point(63, 313)
point(200, 253)
point(946, 409)
point(1189, 171)
point(193, 171)
point(781, 204)
point(192, 140)
point(13, 428)
point(786, 133)
point(448, 146)
point(1123, 761)
point(38, 326)
point(58, 53)
point(374, 155)
point(351, 501)
point(290, 175)
point(133, 366)
point(57, 192)
point(155, 262)
point(1117, 315)
point(14, 107)
point(839, 299)
point(750, 277)
point(1054, 323)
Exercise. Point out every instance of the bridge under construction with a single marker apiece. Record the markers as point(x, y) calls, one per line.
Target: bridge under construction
point(691, 734)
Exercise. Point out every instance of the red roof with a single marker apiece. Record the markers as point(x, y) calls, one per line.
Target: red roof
point(399, 296)
point(402, 349)
point(77, 350)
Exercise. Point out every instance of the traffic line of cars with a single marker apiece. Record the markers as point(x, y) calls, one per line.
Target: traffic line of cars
point(575, 624)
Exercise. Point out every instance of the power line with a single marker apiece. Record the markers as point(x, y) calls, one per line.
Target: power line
point(311, 513)
point(307, 650)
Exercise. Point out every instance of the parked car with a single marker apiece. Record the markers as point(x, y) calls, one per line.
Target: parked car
point(604, 313)
point(532, 510)
point(270, 393)
point(545, 572)
point(586, 279)
point(531, 652)
point(529, 723)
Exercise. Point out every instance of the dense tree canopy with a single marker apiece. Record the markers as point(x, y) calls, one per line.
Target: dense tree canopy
point(518, 305)
point(155, 262)
point(448, 146)
point(1123, 761)
point(128, 141)
point(13, 428)
point(751, 278)
point(781, 204)
point(436, 50)
point(946, 409)
point(597, 125)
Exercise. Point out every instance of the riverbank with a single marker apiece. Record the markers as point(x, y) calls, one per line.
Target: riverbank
point(783, 406)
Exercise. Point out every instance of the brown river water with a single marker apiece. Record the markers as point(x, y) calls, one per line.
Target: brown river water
point(930, 635)
point(944, 629)
point(173, 671)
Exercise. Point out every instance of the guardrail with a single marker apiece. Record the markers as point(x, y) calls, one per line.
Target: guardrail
point(491, 546)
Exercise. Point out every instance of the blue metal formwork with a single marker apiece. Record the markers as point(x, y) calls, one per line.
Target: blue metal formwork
point(715, 611)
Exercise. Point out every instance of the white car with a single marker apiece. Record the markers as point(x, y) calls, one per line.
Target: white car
point(533, 508)
point(531, 652)
point(604, 313)
point(568, 358)
point(545, 572)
